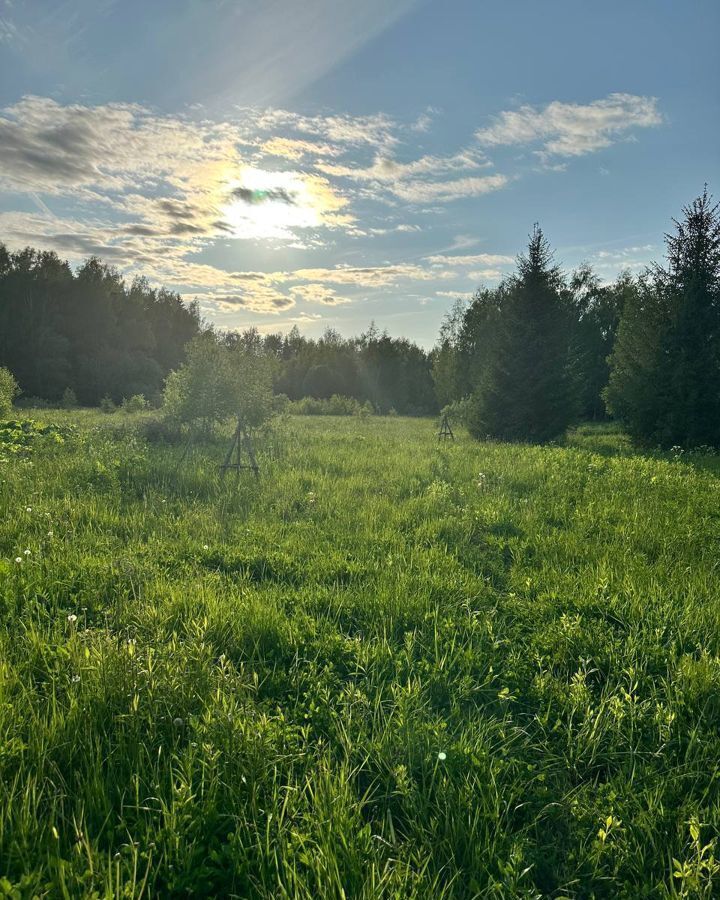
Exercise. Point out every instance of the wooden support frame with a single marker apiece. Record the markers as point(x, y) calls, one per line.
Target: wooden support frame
point(445, 429)
point(240, 441)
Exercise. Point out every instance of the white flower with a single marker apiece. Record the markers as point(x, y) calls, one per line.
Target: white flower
point(75, 679)
point(27, 553)
point(72, 618)
point(28, 509)
point(18, 559)
point(206, 546)
point(50, 534)
point(442, 756)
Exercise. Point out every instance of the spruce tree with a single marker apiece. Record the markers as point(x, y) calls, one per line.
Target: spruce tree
point(665, 368)
point(526, 388)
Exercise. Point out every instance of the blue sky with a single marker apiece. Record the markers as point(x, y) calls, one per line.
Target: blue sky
point(328, 163)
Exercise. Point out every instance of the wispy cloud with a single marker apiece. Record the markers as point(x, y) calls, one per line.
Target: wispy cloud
point(572, 129)
point(473, 259)
point(156, 194)
point(8, 30)
point(318, 293)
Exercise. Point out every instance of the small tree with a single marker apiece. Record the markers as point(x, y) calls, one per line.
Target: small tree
point(69, 399)
point(220, 379)
point(8, 392)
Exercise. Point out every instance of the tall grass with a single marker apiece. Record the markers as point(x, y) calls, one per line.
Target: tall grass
point(386, 668)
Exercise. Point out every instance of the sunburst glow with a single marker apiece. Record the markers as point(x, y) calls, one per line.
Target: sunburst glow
point(272, 204)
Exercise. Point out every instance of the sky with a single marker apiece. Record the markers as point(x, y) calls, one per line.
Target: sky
point(328, 163)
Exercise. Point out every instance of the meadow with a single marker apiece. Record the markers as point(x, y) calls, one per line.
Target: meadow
point(387, 668)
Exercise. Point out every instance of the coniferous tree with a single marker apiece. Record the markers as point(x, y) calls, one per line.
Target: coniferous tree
point(665, 368)
point(526, 388)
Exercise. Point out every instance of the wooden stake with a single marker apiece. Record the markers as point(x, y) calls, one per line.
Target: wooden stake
point(445, 429)
point(240, 438)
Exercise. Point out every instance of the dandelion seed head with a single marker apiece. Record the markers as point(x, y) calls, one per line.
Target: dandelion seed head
point(27, 553)
point(18, 559)
point(442, 756)
point(72, 618)
point(178, 723)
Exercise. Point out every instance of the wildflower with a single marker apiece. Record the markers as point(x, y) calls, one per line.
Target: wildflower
point(206, 546)
point(28, 509)
point(75, 679)
point(178, 723)
point(50, 534)
point(27, 553)
point(72, 618)
point(18, 559)
point(442, 756)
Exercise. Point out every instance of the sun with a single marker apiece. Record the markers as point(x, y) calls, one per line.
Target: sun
point(270, 204)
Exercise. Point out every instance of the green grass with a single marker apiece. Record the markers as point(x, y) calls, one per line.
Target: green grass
point(385, 669)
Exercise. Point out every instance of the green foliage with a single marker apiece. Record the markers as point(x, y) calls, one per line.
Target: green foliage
point(21, 437)
point(69, 399)
point(665, 378)
point(386, 372)
point(321, 382)
point(107, 405)
point(87, 330)
point(220, 379)
point(136, 403)
point(383, 669)
point(333, 406)
point(525, 387)
point(8, 392)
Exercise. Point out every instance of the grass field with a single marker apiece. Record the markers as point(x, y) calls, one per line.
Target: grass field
point(385, 669)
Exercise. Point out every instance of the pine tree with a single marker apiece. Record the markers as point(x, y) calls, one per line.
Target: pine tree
point(526, 389)
point(665, 378)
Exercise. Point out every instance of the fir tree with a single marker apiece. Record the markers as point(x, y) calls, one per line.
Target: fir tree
point(526, 389)
point(665, 378)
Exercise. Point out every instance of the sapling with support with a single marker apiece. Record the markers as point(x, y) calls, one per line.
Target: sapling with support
point(445, 429)
point(241, 440)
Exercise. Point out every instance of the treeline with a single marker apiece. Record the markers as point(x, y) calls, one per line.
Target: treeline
point(393, 374)
point(93, 334)
point(522, 361)
point(87, 331)
point(544, 350)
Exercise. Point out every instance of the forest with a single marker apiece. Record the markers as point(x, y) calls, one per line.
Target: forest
point(521, 361)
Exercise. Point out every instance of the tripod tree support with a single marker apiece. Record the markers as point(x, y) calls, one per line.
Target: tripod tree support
point(445, 429)
point(240, 441)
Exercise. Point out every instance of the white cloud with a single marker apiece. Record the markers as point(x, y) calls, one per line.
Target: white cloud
point(445, 191)
point(485, 274)
point(318, 293)
point(573, 129)
point(474, 259)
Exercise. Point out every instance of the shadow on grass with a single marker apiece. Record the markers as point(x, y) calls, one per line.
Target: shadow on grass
point(608, 439)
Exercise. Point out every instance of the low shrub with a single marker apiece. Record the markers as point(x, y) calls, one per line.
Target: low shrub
point(136, 403)
point(8, 392)
point(336, 405)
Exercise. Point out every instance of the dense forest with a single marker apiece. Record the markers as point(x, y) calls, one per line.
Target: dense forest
point(90, 332)
point(522, 361)
point(87, 331)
